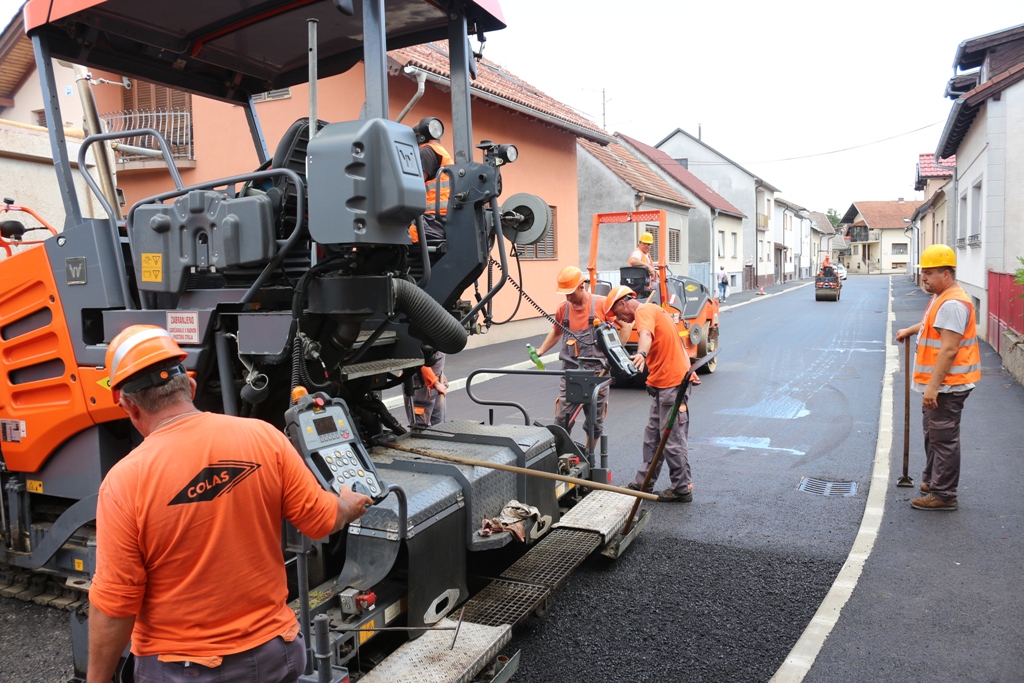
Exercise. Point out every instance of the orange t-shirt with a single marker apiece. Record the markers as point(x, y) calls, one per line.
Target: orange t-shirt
point(666, 361)
point(188, 535)
point(580, 319)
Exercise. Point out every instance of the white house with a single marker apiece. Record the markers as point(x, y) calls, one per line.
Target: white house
point(879, 236)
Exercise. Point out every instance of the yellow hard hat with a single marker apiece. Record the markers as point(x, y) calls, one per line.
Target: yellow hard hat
point(617, 293)
point(938, 256)
point(647, 238)
point(569, 279)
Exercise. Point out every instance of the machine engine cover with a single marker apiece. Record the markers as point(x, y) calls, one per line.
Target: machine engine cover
point(201, 229)
point(365, 183)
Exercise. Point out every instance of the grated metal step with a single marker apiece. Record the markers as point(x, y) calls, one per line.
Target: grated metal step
point(504, 603)
point(555, 557)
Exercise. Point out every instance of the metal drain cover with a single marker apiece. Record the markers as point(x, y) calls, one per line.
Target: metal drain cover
point(827, 488)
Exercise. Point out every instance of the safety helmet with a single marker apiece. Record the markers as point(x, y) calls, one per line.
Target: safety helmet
point(938, 256)
point(569, 279)
point(137, 348)
point(646, 238)
point(620, 292)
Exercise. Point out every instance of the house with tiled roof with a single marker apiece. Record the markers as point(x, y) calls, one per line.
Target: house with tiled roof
point(879, 235)
point(933, 219)
point(983, 130)
point(823, 239)
point(715, 224)
point(612, 179)
point(744, 189)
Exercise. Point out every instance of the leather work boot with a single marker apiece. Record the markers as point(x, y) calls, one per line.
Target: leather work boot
point(924, 488)
point(932, 502)
point(635, 487)
point(670, 496)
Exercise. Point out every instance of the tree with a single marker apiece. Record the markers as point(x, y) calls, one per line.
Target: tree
point(833, 217)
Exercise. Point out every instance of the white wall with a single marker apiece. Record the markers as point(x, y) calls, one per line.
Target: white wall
point(971, 164)
point(29, 99)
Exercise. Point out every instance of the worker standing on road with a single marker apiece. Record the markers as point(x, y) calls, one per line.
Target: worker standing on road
point(202, 498)
point(947, 365)
point(661, 352)
point(641, 256)
point(426, 406)
point(579, 313)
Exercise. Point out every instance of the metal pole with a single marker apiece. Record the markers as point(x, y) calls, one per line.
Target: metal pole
point(256, 130)
point(93, 127)
point(375, 60)
point(462, 118)
point(302, 574)
point(55, 124)
point(312, 76)
point(323, 649)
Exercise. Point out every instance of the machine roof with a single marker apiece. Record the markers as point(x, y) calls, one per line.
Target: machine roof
point(230, 49)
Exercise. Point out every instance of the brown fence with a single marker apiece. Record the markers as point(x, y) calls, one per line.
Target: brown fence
point(1005, 307)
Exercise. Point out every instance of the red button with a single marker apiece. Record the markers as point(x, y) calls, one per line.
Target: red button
point(319, 401)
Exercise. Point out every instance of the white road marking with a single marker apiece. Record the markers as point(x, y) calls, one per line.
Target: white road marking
point(455, 385)
point(729, 307)
point(806, 650)
point(743, 443)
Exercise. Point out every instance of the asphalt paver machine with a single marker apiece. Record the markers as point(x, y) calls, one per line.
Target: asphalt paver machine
point(694, 310)
point(299, 273)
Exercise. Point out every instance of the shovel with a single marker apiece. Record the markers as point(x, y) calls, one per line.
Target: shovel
point(905, 481)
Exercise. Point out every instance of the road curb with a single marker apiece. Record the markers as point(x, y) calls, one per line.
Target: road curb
point(803, 654)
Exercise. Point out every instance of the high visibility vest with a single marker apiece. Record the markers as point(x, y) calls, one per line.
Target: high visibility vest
point(438, 188)
point(966, 368)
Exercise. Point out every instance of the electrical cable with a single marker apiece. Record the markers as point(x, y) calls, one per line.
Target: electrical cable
point(522, 293)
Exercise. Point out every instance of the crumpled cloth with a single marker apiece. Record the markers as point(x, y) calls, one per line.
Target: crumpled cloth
point(512, 519)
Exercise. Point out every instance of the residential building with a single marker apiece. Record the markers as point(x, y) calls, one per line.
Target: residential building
point(933, 219)
point(787, 236)
point(985, 130)
point(879, 236)
point(713, 220)
point(611, 180)
point(752, 195)
point(821, 237)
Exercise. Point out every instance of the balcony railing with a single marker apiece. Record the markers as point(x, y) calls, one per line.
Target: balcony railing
point(174, 126)
point(762, 221)
point(974, 240)
point(961, 242)
point(861, 234)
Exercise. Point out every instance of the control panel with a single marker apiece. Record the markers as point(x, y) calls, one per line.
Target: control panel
point(611, 346)
point(322, 431)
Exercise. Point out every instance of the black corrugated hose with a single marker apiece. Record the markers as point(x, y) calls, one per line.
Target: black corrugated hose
point(441, 328)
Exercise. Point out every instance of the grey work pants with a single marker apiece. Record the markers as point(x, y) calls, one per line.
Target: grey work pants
point(564, 410)
point(942, 445)
point(275, 661)
point(676, 450)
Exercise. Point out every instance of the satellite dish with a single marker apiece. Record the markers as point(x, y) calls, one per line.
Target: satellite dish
point(525, 218)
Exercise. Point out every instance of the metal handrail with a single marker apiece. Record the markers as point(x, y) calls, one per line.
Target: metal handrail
point(175, 126)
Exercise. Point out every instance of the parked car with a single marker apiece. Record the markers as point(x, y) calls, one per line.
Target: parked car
point(841, 271)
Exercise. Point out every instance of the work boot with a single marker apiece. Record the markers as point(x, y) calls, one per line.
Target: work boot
point(632, 486)
point(932, 502)
point(924, 488)
point(670, 496)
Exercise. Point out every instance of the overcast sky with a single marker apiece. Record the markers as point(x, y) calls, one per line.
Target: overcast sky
point(764, 81)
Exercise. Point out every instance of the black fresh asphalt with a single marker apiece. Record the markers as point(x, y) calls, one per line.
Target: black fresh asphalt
point(720, 589)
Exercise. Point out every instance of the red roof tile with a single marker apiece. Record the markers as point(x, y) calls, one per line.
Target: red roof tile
point(634, 172)
point(881, 215)
point(496, 81)
point(927, 168)
point(683, 176)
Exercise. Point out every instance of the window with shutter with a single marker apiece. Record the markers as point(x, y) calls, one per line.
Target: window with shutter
point(544, 249)
point(147, 105)
point(653, 229)
point(673, 246)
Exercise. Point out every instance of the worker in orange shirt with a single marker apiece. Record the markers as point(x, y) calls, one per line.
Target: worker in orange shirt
point(433, 157)
point(578, 314)
point(660, 351)
point(426, 406)
point(202, 498)
point(641, 256)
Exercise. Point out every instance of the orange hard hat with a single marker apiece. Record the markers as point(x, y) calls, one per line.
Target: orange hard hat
point(620, 292)
point(138, 347)
point(647, 238)
point(569, 279)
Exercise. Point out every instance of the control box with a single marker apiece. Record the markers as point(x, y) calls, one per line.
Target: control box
point(611, 346)
point(323, 433)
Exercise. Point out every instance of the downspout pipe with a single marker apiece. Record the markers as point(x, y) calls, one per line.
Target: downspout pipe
point(421, 86)
point(711, 253)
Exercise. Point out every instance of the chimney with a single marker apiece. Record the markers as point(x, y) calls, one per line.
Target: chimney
point(900, 200)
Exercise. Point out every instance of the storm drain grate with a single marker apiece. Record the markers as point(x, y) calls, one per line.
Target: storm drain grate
point(827, 488)
point(504, 602)
point(555, 557)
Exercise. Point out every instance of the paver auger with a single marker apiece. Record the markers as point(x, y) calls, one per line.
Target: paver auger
point(301, 272)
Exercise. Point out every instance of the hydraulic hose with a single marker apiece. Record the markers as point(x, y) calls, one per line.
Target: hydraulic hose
point(442, 330)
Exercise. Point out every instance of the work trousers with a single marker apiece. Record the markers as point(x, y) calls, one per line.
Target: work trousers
point(275, 661)
point(676, 452)
point(942, 445)
point(564, 410)
point(426, 407)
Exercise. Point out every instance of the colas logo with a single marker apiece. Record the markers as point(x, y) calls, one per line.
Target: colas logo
point(214, 480)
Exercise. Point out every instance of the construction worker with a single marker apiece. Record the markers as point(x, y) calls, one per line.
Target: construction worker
point(947, 366)
point(641, 256)
point(426, 406)
point(203, 497)
point(579, 313)
point(661, 352)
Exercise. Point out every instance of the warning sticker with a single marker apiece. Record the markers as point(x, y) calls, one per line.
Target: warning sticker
point(366, 632)
point(105, 383)
point(392, 612)
point(79, 565)
point(183, 326)
point(34, 485)
point(152, 267)
point(12, 430)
